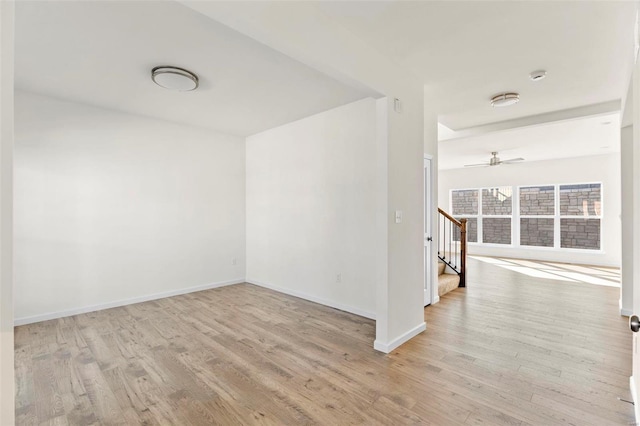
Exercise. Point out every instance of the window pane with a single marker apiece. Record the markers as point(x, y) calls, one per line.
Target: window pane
point(537, 200)
point(536, 232)
point(580, 200)
point(496, 230)
point(497, 201)
point(472, 230)
point(464, 201)
point(580, 233)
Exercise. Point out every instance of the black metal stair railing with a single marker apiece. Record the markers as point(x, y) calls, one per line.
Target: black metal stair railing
point(452, 243)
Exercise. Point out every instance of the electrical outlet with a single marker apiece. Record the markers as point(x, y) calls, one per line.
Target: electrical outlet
point(339, 278)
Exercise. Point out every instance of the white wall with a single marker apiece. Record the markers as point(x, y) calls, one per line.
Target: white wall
point(311, 199)
point(112, 208)
point(600, 168)
point(626, 288)
point(7, 408)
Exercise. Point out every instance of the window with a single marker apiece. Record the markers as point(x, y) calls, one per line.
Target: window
point(537, 216)
point(488, 212)
point(464, 204)
point(497, 205)
point(580, 211)
point(553, 216)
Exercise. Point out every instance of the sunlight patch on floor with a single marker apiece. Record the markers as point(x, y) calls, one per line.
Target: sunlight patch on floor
point(537, 273)
point(493, 260)
point(597, 275)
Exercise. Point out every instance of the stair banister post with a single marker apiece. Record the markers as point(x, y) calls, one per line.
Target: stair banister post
point(463, 252)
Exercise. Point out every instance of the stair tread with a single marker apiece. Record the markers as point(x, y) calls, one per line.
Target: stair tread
point(447, 283)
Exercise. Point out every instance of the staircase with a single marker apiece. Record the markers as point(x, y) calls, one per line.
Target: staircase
point(452, 252)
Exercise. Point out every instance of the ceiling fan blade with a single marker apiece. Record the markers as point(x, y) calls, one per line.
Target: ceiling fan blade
point(512, 160)
point(477, 165)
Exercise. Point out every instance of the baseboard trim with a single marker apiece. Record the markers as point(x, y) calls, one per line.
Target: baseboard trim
point(634, 398)
point(315, 299)
point(122, 302)
point(626, 312)
point(388, 347)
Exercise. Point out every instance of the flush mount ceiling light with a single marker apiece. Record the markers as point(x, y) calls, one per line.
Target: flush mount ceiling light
point(538, 75)
point(174, 78)
point(505, 99)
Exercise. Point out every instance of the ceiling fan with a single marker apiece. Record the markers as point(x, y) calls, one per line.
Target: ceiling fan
point(495, 161)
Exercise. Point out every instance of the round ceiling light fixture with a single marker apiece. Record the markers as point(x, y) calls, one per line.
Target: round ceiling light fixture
point(174, 78)
point(505, 99)
point(538, 75)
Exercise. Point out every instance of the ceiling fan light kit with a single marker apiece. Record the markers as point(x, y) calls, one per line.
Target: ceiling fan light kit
point(505, 99)
point(495, 160)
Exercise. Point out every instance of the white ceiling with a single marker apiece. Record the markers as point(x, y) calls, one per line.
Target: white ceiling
point(101, 53)
point(466, 52)
point(564, 139)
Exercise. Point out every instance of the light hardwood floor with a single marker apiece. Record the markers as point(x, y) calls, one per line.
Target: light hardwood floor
point(508, 349)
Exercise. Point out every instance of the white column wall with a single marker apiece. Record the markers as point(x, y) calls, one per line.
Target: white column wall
point(634, 102)
point(6, 214)
point(405, 191)
point(431, 148)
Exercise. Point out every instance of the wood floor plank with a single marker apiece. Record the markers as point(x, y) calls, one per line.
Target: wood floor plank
point(509, 349)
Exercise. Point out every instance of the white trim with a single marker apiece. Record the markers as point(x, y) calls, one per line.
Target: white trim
point(430, 261)
point(634, 398)
point(436, 299)
point(315, 299)
point(623, 311)
point(122, 302)
point(388, 347)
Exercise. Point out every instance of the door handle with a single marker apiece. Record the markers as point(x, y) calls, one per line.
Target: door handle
point(634, 323)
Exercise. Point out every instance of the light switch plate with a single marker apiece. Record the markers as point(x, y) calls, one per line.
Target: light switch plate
point(398, 216)
point(397, 105)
